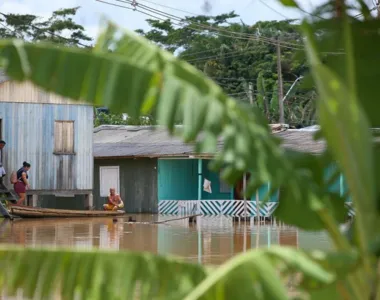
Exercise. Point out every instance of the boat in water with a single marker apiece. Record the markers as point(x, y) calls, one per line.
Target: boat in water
point(36, 212)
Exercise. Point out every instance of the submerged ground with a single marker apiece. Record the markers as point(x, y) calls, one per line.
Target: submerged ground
point(212, 240)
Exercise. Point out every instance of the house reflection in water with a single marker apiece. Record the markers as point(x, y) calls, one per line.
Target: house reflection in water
point(212, 240)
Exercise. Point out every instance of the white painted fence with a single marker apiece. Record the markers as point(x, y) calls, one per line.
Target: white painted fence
point(233, 208)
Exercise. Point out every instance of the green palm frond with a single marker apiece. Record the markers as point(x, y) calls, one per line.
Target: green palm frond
point(44, 274)
point(136, 76)
point(95, 274)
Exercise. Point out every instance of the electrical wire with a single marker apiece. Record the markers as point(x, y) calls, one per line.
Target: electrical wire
point(198, 52)
point(7, 28)
point(245, 36)
point(169, 7)
point(236, 36)
point(271, 8)
point(220, 56)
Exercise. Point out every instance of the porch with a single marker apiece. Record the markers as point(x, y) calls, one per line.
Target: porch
point(180, 191)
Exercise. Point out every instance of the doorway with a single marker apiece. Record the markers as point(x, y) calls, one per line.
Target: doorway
point(239, 187)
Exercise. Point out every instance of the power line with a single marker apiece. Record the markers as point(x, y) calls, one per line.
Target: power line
point(7, 28)
point(199, 52)
point(201, 27)
point(49, 31)
point(221, 56)
point(243, 36)
point(320, 17)
point(209, 28)
point(169, 7)
point(271, 8)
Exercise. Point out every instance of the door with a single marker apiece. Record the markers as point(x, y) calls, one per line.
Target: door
point(109, 178)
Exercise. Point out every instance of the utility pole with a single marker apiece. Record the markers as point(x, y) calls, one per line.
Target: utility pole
point(339, 8)
point(280, 84)
point(250, 93)
point(378, 9)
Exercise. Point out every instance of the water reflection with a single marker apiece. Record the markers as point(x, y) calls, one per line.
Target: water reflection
point(212, 240)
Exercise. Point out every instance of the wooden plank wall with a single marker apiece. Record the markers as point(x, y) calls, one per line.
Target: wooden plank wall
point(26, 92)
point(138, 184)
point(28, 130)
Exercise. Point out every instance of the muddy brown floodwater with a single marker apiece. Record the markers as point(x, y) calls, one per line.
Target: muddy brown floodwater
point(212, 240)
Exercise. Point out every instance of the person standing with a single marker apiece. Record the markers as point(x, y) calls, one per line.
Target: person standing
point(22, 182)
point(2, 170)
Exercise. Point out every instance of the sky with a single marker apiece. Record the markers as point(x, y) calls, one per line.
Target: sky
point(93, 12)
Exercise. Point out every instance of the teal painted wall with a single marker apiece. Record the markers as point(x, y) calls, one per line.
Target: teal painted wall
point(339, 185)
point(335, 186)
point(263, 190)
point(177, 179)
point(216, 194)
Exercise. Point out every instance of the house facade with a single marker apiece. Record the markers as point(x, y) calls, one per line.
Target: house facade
point(158, 173)
point(54, 135)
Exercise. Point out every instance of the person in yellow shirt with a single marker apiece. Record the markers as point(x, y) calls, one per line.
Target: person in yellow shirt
point(114, 201)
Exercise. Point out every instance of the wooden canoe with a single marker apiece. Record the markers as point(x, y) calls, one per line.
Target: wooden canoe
point(33, 212)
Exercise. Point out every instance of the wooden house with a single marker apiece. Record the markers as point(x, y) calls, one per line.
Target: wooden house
point(157, 173)
point(53, 134)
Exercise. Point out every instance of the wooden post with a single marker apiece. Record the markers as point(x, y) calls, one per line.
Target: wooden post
point(89, 201)
point(199, 184)
point(34, 200)
point(250, 93)
point(339, 8)
point(280, 88)
point(258, 207)
point(258, 237)
point(244, 193)
point(199, 211)
point(245, 212)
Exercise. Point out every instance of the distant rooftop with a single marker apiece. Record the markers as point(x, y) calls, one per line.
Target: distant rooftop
point(154, 141)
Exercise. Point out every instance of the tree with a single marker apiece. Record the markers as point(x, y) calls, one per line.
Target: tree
point(232, 53)
point(60, 28)
point(121, 119)
point(346, 112)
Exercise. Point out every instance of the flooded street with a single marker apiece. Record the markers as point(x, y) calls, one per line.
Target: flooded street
point(212, 240)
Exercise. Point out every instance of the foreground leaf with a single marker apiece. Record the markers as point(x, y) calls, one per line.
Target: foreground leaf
point(95, 274)
point(44, 274)
point(137, 76)
point(346, 129)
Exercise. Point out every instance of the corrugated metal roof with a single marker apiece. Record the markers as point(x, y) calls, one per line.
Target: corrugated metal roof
point(147, 141)
point(301, 140)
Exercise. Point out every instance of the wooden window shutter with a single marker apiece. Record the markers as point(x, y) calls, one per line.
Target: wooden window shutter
point(64, 137)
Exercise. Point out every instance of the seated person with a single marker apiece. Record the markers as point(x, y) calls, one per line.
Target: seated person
point(114, 201)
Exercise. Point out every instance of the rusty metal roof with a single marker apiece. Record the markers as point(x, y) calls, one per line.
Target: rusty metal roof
point(149, 141)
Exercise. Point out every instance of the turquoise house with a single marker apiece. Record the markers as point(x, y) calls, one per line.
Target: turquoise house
point(157, 173)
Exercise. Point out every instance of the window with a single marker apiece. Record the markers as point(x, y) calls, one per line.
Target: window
point(64, 137)
point(109, 178)
point(223, 187)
